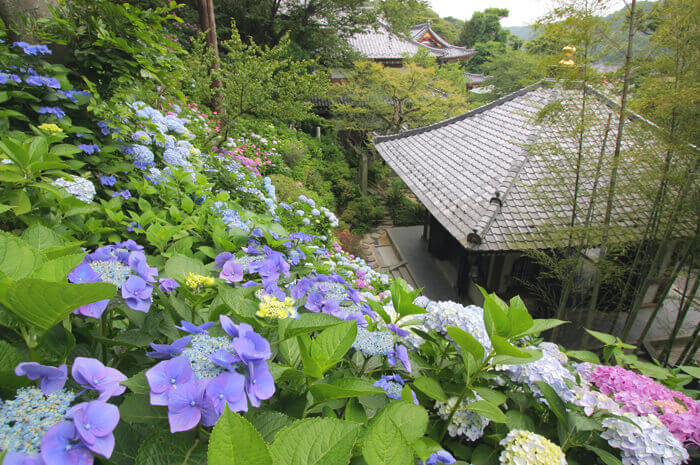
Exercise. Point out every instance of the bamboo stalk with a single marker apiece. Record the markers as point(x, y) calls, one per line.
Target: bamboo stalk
point(686, 302)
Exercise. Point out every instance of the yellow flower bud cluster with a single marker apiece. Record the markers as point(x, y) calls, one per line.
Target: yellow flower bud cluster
point(272, 307)
point(50, 127)
point(194, 281)
point(527, 448)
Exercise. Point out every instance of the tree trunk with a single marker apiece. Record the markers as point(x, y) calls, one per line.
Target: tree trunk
point(208, 25)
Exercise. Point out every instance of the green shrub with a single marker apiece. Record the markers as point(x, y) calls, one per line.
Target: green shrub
point(363, 213)
point(288, 189)
point(407, 213)
point(293, 152)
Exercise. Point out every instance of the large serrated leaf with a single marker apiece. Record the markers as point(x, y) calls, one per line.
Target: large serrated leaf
point(136, 408)
point(164, 448)
point(41, 237)
point(234, 441)
point(268, 422)
point(430, 387)
point(317, 441)
point(388, 438)
point(44, 303)
point(488, 410)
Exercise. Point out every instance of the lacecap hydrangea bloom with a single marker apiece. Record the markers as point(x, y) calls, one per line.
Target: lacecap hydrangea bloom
point(393, 386)
point(644, 441)
point(527, 448)
point(124, 265)
point(46, 426)
point(78, 187)
point(466, 423)
point(207, 373)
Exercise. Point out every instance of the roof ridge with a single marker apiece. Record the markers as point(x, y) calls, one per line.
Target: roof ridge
point(475, 111)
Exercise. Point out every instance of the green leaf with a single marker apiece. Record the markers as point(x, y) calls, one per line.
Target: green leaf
point(495, 317)
point(519, 420)
point(63, 150)
point(45, 303)
point(488, 410)
point(541, 325)
point(485, 455)
point(605, 456)
point(41, 237)
point(138, 384)
point(692, 371)
point(179, 266)
point(430, 387)
point(390, 434)
point(343, 388)
point(424, 447)
point(379, 308)
point(268, 422)
point(235, 441)
point(164, 448)
point(495, 397)
point(17, 258)
point(467, 342)
point(58, 268)
point(136, 408)
point(503, 347)
point(317, 441)
point(306, 323)
point(355, 412)
point(329, 347)
point(239, 301)
point(556, 405)
point(187, 204)
point(9, 358)
point(607, 339)
point(520, 319)
point(583, 355)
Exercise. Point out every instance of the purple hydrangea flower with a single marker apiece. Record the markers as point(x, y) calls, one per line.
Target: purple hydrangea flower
point(167, 377)
point(92, 374)
point(169, 350)
point(185, 406)
point(440, 457)
point(62, 445)
point(188, 327)
point(108, 180)
point(94, 421)
point(137, 293)
point(89, 148)
point(232, 272)
point(58, 112)
point(125, 194)
point(260, 385)
point(394, 328)
point(33, 50)
point(168, 285)
point(227, 388)
point(393, 386)
point(51, 379)
point(400, 353)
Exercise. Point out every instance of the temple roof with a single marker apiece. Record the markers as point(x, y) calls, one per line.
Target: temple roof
point(382, 44)
point(479, 176)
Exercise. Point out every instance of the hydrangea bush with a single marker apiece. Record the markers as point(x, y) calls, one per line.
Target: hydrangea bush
point(205, 320)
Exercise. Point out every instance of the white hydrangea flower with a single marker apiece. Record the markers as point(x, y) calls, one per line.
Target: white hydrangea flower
point(78, 187)
point(647, 443)
point(465, 423)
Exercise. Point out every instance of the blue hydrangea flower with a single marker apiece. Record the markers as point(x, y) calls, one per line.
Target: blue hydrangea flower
point(56, 111)
point(123, 265)
point(33, 50)
point(38, 427)
point(207, 375)
point(142, 154)
point(89, 148)
point(108, 180)
point(372, 343)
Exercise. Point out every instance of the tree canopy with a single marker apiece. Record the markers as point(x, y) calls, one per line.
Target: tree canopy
point(484, 26)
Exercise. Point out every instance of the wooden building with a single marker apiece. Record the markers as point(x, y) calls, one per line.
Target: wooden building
point(483, 184)
point(383, 46)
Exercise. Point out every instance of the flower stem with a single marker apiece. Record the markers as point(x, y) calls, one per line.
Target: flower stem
point(453, 411)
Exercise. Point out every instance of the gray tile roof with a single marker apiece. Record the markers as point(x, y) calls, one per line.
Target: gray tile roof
point(457, 167)
point(382, 44)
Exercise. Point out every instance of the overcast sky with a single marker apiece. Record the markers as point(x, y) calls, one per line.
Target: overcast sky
point(522, 12)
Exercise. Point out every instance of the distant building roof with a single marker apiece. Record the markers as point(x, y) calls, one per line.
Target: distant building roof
point(382, 44)
point(474, 78)
point(476, 176)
